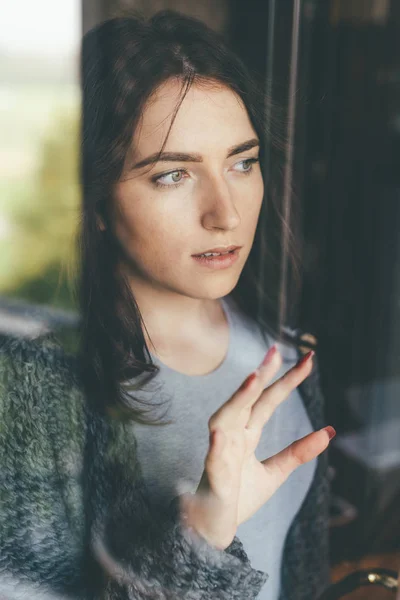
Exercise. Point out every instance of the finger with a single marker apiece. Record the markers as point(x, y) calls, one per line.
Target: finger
point(281, 465)
point(241, 402)
point(279, 391)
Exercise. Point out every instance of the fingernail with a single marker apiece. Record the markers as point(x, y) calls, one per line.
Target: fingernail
point(330, 431)
point(305, 358)
point(269, 355)
point(248, 380)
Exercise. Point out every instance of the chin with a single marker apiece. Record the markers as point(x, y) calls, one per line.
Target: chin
point(215, 290)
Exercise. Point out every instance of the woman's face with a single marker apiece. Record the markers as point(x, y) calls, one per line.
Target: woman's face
point(185, 205)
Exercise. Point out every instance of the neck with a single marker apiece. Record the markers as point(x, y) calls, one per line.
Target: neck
point(170, 317)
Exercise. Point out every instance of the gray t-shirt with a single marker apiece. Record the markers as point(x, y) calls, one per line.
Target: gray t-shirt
point(176, 452)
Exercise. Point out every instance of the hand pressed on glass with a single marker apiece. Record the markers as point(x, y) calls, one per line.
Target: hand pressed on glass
point(235, 484)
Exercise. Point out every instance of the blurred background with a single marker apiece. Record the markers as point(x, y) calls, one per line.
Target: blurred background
point(334, 67)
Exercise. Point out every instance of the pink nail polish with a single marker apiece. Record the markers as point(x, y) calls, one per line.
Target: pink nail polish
point(330, 431)
point(248, 380)
point(269, 355)
point(305, 358)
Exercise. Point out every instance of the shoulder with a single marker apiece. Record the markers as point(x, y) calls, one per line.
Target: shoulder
point(33, 356)
point(42, 449)
point(39, 375)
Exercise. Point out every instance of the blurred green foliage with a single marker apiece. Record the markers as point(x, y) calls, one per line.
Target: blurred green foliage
point(39, 253)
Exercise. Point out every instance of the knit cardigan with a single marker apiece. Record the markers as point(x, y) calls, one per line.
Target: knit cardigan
point(75, 520)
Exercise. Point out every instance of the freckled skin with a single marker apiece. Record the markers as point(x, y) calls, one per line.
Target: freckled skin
point(217, 203)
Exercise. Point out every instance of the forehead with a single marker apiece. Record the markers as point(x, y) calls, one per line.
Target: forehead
point(209, 117)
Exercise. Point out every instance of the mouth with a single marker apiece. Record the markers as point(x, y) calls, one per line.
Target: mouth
point(220, 251)
point(220, 260)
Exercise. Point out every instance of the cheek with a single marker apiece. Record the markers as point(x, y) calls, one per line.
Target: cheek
point(151, 233)
point(140, 234)
point(134, 226)
point(252, 200)
point(140, 239)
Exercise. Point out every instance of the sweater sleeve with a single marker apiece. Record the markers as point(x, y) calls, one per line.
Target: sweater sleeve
point(152, 555)
point(41, 450)
point(76, 518)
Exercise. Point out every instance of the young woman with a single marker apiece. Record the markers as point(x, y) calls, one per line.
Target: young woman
point(226, 498)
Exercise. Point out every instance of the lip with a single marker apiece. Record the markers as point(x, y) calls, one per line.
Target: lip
point(219, 249)
point(223, 261)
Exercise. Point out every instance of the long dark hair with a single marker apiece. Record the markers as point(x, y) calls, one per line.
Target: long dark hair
point(123, 60)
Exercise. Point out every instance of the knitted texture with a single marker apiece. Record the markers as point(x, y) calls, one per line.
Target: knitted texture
point(75, 520)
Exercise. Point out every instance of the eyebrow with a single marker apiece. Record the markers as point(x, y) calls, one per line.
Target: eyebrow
point(184, 157)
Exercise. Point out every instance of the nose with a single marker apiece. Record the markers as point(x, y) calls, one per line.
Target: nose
point(218, 210)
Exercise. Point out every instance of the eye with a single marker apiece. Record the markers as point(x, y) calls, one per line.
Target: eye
point(176, 178)
point(248, 163)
